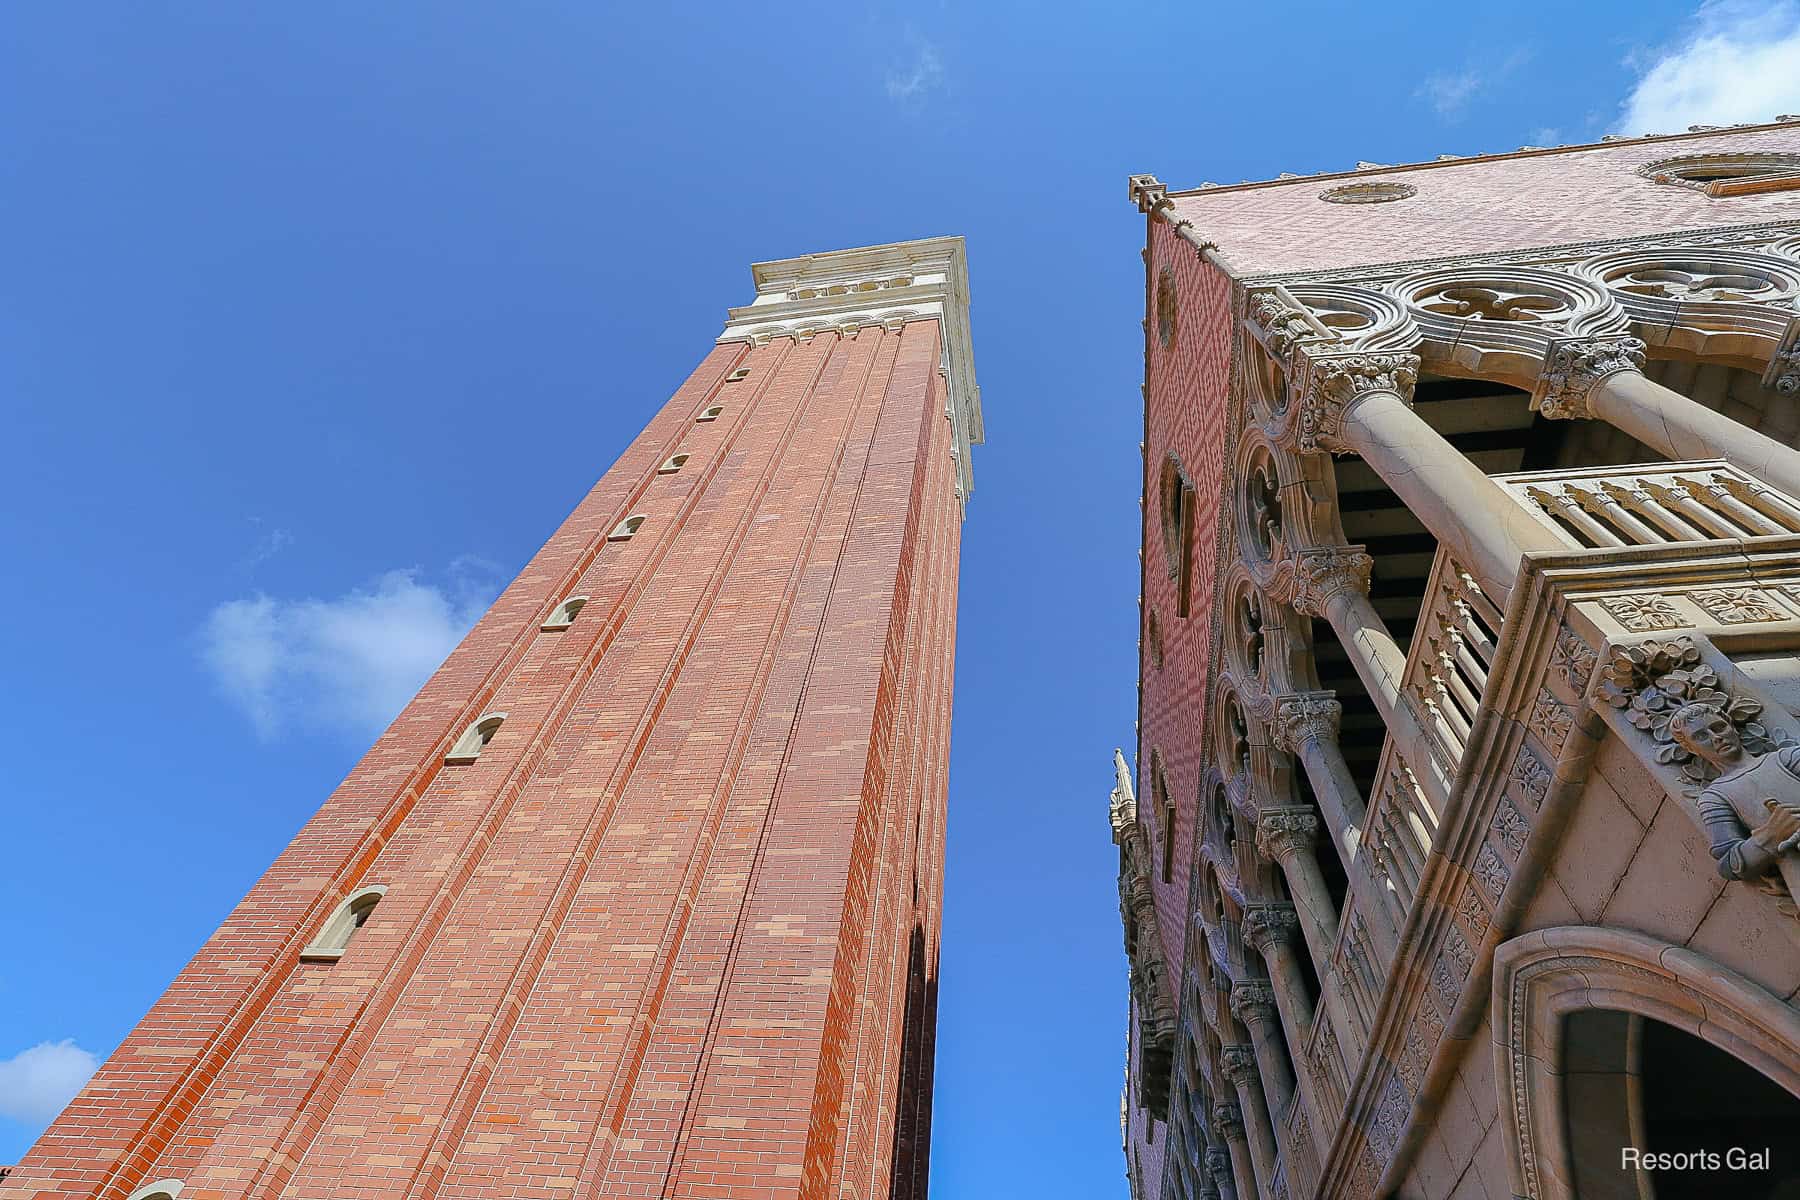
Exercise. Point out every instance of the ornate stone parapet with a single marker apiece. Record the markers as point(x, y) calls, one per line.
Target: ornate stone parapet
point(1573, 367)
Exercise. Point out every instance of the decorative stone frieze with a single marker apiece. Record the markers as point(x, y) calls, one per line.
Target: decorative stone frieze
point(1573, 661)
point(1302, 717)
point(1739, 606)
point(1319, 573)
point(1643, 612)
point(1550, 720)
point(1284, 833)
point(1572, 368)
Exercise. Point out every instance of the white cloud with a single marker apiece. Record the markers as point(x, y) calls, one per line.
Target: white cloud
point(1740, 61)
point(37, 1083)
point(910, 84)
point(347, 664)
point(1449, 92)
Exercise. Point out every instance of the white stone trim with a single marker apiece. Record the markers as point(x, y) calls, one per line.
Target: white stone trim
point(842, 291)
point(334, 936)
point(162, 1189)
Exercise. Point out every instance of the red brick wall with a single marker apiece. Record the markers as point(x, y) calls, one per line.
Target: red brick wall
point(1482, 206)
point(1185, 414)
point(675, 932)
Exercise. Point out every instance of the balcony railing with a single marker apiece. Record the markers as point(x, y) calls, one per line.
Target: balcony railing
point(1653, 504)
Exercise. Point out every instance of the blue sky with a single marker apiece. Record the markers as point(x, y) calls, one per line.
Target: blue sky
point(266, 269)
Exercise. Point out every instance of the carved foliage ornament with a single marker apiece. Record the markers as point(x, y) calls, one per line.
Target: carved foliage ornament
point(1302, 717)
point(1572, 369)
point(1268, 924)
point(1333, 384)
point(1285, 832)
point(1652, 679)
point(1321, 573)
point(1643, 612)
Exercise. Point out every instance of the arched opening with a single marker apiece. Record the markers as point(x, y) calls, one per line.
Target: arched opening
point(1650, 1110)
point(674, 464)
point(623, 531)
point(566, 612)
point(474, 740)
point(345, 920)
point(711, 414)
point(162, 1189)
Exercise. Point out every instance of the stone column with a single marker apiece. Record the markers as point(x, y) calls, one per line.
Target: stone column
point(1603, 379)
point(1253, 1003)
point(1362, 404)
point(1286, 836)
point(1229, 1121)
point(1238, 1061)
point(1333, 582)
point(1306, 726)
point(1218, 1170)
point(1271, 928)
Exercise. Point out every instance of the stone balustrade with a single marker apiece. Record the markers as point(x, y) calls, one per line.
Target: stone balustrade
point(1654, 504)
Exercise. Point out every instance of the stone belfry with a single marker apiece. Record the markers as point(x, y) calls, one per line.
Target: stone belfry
point(640, 895)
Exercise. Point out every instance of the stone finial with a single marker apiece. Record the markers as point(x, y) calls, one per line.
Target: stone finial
point(1573, 366)
point(1322, 572)
point(1147, 192)
point(1332, 385)
point(1266, 925)
point(1238, 1063)
point(1282, 833)
point(1253, 1002)
point(1302, 717)
point(1122, 809)
point(1228, 1119)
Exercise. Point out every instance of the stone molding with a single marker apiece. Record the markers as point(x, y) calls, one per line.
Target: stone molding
point(842, 291)
point(1541, 976)
point(1574, 367)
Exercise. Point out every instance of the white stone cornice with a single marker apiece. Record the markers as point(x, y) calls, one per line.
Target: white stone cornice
point(841, 291)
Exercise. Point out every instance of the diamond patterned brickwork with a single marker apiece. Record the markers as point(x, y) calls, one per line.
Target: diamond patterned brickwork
point(1514, 202)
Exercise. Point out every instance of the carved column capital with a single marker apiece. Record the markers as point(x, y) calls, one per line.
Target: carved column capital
point(1228, 1119)
point(1302, 717)
point(1783, 374)
point(1573, 366)
point(1253, 1002)
point(1321, 572)
point(1267, 925)
point(1218, 1162)
point(1238, 1063)
point(1332, 384)
point(1284, 833)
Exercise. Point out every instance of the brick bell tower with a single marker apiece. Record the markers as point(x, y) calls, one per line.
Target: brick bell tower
point(640, 895)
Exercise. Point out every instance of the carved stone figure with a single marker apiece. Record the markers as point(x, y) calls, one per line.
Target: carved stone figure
point(1764, 790)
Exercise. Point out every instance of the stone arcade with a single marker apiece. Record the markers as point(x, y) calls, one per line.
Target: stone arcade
point(1470, 665)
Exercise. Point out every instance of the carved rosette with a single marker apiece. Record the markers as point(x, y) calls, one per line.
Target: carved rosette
point(1253, 1002)
point(1333, 384)
point(1302, 717)
point(1237, 1062)
point(1267, 925)
point(1282, 833)
point(1572, 368)
point(1319, 573)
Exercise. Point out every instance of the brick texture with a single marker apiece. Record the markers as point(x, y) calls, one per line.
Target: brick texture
point(675, 932)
